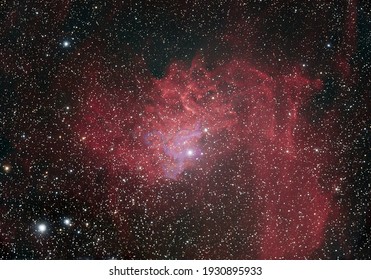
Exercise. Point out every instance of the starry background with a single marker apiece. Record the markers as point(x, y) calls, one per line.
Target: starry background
point(185, 129)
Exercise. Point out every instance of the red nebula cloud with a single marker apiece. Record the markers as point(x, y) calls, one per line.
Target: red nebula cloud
point(194, 119)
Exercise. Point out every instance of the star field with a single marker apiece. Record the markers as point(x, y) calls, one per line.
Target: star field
point(185, 130)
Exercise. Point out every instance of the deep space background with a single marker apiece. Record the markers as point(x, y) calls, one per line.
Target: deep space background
point(185, 129)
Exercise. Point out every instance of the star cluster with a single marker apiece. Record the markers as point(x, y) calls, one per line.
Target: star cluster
point(185, 130)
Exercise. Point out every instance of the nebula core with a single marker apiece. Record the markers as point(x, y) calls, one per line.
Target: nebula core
point(235, 130)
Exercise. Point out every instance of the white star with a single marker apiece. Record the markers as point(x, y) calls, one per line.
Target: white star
point(66, 44)
point(42, 228)
point(67, 222)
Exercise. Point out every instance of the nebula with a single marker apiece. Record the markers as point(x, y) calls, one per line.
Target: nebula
point(195, 118)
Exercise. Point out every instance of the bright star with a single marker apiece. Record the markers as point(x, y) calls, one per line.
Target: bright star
point(7, 168)
point(41, 228)
point(66, 43)
point(190, 152)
